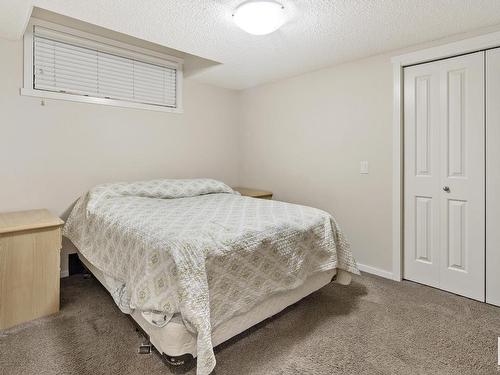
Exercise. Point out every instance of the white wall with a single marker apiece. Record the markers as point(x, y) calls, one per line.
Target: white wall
point(51, 154)
point(303, 138)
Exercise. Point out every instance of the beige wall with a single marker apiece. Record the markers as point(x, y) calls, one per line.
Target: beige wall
point(51, 154)
point(303, 138)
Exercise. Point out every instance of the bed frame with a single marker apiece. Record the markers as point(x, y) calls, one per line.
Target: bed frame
point(177, 345)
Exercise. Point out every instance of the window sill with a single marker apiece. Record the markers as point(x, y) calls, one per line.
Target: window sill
point(93, 100)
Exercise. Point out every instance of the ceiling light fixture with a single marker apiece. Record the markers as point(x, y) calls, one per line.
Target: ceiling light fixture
point(259, 17)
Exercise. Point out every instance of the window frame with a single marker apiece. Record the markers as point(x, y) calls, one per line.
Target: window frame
point(85, 39)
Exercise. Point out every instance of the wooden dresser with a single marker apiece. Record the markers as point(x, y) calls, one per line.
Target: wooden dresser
point(247, 192)
point(30, 244)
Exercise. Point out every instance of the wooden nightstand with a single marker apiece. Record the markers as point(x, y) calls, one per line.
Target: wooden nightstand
point(254, 193)
point(30, 244)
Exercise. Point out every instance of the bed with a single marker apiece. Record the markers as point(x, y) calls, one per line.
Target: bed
point(194, 263)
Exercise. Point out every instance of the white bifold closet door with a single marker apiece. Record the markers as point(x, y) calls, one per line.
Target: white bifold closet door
point(444, 177)
point(493, 176)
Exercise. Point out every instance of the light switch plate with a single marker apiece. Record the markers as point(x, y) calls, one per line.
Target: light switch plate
point(363, 167)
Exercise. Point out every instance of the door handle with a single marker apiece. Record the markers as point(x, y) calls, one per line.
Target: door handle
point(446, 188)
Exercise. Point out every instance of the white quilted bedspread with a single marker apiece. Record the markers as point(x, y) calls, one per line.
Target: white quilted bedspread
point(197, 248)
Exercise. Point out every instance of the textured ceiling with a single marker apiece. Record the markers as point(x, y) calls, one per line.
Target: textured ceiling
point(318, 32)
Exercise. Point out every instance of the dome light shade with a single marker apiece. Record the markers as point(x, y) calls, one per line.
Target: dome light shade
point(259, 17)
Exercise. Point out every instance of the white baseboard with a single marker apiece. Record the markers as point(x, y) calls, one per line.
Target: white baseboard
point(376, 271)
point(362, 268)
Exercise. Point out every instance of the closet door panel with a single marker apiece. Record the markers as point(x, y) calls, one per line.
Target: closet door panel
point(444, 174)
point(493, 176)
point(421, 176)
point(462, 177)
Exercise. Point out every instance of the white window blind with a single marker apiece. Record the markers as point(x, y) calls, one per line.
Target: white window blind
point(81, 69)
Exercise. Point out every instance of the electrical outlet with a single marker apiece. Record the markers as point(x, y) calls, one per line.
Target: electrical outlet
point(363, 167)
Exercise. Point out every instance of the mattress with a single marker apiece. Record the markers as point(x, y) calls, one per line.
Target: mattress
point(174, 339)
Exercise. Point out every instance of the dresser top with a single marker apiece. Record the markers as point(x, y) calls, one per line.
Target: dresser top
point(27, 220)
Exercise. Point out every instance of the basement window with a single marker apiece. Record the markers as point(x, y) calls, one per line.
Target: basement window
point(62, 63)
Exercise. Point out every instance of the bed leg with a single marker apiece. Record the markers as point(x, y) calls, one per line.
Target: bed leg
point(177, 360)
point(145, 348)
point(86, 273)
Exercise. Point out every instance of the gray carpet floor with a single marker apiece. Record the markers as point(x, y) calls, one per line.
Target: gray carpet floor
point(373, 326)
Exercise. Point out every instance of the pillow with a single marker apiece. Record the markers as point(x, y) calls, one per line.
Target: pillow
point(161, 188)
